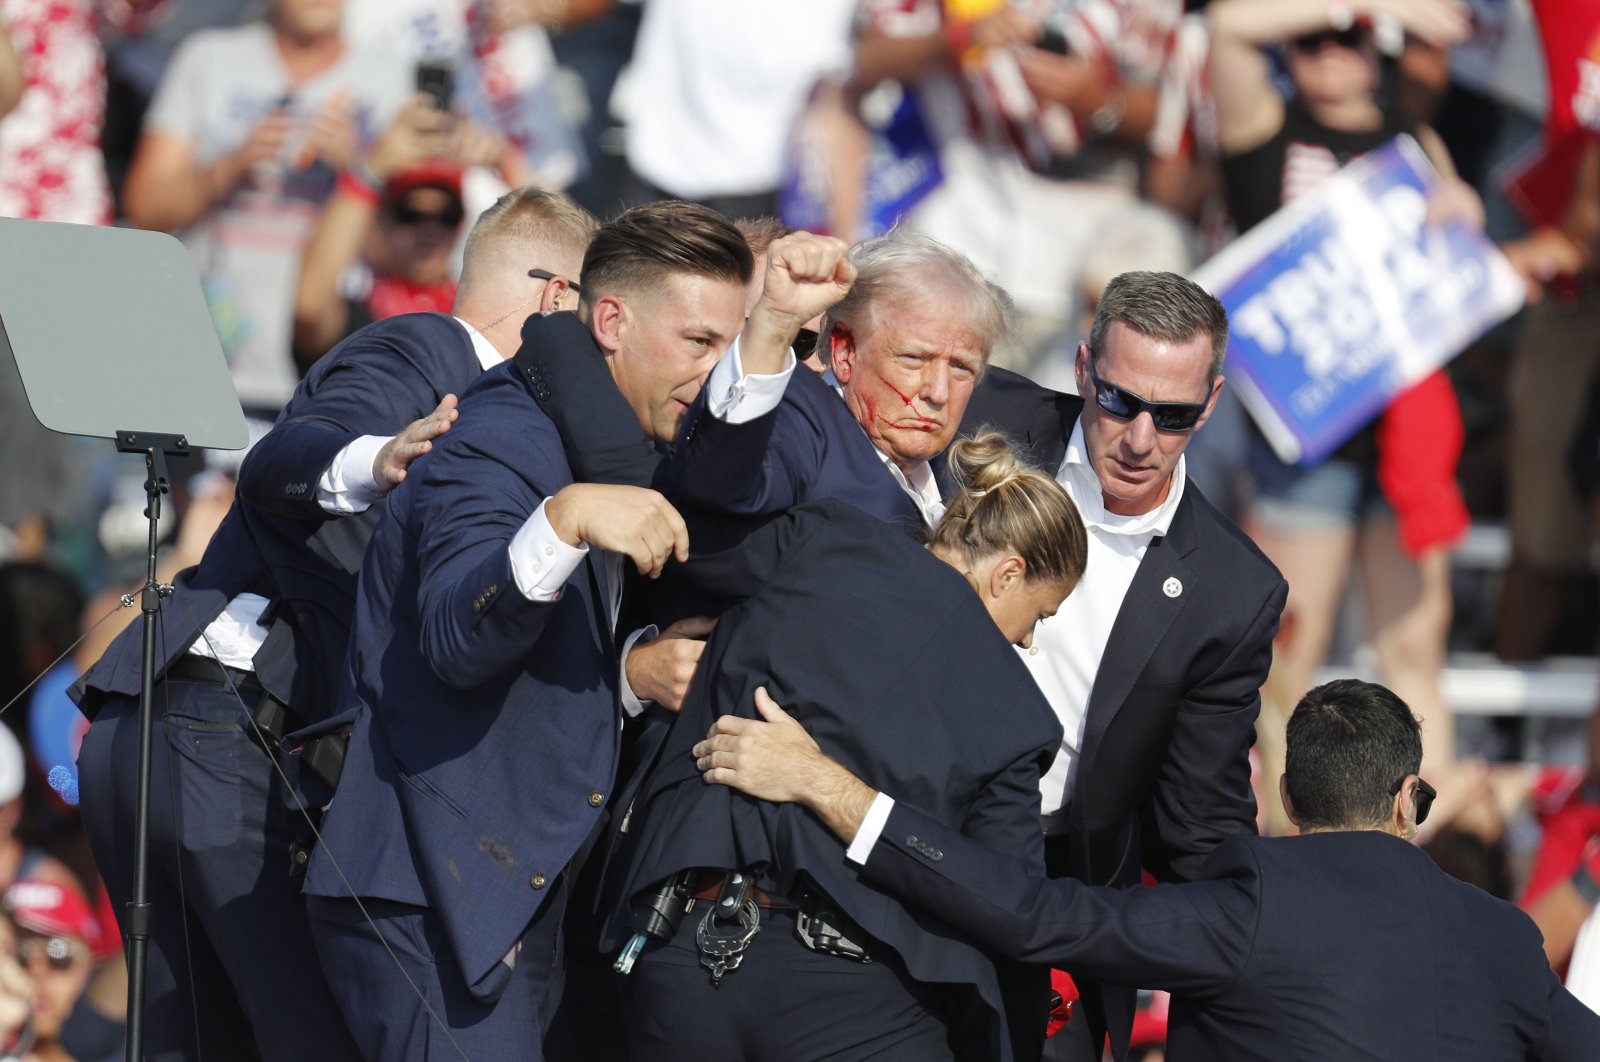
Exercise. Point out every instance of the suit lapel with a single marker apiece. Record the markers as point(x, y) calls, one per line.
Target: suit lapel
point(1147, 612)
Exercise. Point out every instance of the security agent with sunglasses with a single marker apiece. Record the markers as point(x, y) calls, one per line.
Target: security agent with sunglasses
point(1154, 664)
point(1346, 942)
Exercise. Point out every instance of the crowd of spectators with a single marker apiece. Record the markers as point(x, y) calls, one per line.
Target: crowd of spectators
point(322, 161)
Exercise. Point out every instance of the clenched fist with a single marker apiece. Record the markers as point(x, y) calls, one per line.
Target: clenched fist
point(634, 521)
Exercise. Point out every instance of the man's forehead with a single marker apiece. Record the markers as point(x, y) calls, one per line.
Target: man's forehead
point(1126, 348)
point(926, 328)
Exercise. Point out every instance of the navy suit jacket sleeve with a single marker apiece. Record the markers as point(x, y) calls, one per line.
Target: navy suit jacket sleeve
point(599, 430)
point(1574, 1028)
point(1203, 794)
point(375, 383)
point(1191, 939)
point(473, 496)
point(757, 468)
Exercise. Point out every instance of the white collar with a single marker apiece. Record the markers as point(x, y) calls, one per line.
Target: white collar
point(488, 356)
point(1077, 475)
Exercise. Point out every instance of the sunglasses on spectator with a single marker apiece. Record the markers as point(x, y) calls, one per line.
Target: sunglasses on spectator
point(449, 217)
point(63, 953)
point(1351, 37)
point(1125, 405)
point(545, 274)
point(1425, 795)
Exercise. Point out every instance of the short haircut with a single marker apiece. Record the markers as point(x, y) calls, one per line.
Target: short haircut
point(1162, 306)
point(902, 264)
point(555, 226)
point(761, 233)
point(1002, 505)
point(648, 243)
point(1349, 744)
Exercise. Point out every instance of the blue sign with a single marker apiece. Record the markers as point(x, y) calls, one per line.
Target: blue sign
point(1348, 296)
point(902, 166)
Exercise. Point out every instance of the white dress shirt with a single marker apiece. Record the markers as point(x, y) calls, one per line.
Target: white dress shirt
point(1067, 647)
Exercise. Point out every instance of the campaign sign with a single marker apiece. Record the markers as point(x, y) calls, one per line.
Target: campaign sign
point(1348, 296)
point(901, 166)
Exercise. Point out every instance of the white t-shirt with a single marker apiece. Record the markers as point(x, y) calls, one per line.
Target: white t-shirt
point(247, 248)
point(716, 86)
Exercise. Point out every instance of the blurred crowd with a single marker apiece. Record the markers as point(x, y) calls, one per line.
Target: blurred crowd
point(322, 161)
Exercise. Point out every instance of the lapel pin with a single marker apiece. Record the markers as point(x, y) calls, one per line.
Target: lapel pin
point(1172, 587)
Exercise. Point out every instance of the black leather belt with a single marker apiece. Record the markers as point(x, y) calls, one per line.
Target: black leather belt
point(192, 668)
point(273, 718)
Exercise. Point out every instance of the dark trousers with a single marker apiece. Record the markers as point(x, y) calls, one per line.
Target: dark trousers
point(785, 1003)
point(382, 990)
point(232, 968)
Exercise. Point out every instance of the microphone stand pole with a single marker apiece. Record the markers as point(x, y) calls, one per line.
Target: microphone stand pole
point(155, 448)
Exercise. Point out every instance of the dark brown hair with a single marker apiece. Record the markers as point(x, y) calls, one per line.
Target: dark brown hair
point(1162, 306)
point(644, 245)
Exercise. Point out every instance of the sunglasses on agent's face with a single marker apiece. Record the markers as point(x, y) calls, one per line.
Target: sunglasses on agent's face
point(1351, 37)
point(1125, 405)
point(545, 274)
point(1424, 797)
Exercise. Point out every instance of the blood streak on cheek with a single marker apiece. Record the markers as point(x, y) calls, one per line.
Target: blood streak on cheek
point(903, 396)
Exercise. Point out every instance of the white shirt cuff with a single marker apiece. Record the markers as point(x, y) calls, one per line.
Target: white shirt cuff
point(872, 825)
point(737, 398)
point(631, 703)
point(347, 486)
point(540, 562)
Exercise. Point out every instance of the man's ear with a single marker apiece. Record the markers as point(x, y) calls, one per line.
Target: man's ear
point(1080, 367)
point(1007, 575)
point(1403, 812)
point(608, 320)
point(554, 291)
point(1288, 805)
point(1211, 402)
point(842, 352)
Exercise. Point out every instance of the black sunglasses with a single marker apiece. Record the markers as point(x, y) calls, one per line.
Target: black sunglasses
point(1351, 37)
point(1425, 795)
point(1125, 405)
point(63, 953)
point(449, 217)
point(545, 274)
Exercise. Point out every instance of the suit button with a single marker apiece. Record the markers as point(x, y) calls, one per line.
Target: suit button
point(538, 881)
point(477, 606)
point(596, 798)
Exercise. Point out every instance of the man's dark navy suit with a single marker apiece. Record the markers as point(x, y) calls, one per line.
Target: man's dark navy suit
point(810, 448)
point(1332, 946)
point(484, 756)
point(1163, 775)
point(229, 831)
point(888, 657)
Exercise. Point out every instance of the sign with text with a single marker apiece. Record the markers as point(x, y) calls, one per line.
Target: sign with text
point(1348, 296)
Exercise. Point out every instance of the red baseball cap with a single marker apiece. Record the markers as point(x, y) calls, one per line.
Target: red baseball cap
point(52, 909)
point(435, 173)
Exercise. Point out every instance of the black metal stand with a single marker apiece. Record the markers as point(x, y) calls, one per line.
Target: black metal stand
point(155, 448)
